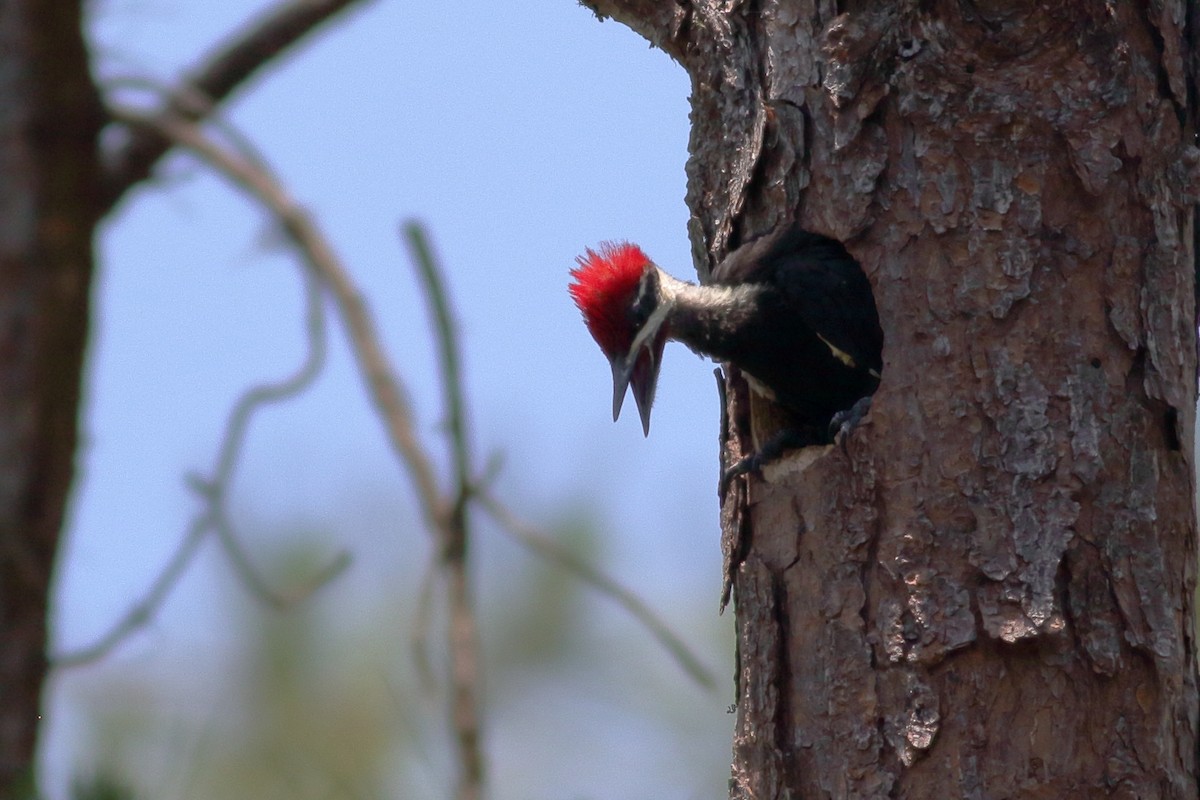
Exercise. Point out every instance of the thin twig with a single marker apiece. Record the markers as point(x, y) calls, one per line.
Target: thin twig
point(464, 672)
point(447, 338)
point(455, 532)
point(214, 492)
point(555, 552)
point(261, 43)
point(257, 584)
point(144, 610)
point(264, 394)
point(389, 398)
point(189, 103)
point(445, 515)
point(383, 386)
point(419, 635)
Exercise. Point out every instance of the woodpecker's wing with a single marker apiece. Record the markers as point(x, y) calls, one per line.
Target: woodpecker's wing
point(821, 281)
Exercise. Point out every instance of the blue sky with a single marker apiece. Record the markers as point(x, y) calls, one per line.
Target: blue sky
point(520, 133)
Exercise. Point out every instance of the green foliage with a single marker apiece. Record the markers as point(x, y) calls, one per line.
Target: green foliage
point(101, 786)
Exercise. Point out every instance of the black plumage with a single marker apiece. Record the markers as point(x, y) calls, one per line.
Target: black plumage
point(793, 310)
point(799, 320)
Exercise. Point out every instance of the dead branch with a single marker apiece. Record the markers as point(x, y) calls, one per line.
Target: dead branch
point(214, 79)
point(660, 23)
point(383, 386)
point(445, 516)
point(454, 534)
point(214, 516)
point(144, 610)
point(552, 551)
point(445, 512)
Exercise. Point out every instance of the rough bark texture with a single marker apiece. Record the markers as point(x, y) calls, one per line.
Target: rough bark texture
point(988, 592)
point(49, 120)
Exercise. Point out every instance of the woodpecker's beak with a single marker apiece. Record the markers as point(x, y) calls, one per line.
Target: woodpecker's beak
point(640, 367)
point(645, 380)
point(642, 374)
point(621, 376)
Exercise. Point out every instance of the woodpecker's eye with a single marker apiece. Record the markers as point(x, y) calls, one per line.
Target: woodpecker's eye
point(645, 301)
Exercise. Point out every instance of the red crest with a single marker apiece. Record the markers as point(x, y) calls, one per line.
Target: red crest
point(605, 287)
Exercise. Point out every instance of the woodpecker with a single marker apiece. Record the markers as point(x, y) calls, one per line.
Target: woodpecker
point(792, 310)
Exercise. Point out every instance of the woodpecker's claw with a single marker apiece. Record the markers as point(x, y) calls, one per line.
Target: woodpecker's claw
point(840, 426)
point(751, 463)
point(843, 422)
point(787, 439)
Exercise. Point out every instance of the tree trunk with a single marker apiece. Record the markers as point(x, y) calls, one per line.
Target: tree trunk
point(52, 195)
point(988, 591)
point(48, 211)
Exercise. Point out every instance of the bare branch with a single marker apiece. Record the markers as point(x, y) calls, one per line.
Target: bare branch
point(419, 635)
point(446, 518)
point(145, 609)
point(383, 386)
point(267, 393)
point(552, 551)
point(446, 332)
point(216, 490)
point(213, 493)
point(455, 532)
point(192, 104)
point(659, 22)
point(446, 515)
point(257, 585)
point(215, 79)
point(464, 677)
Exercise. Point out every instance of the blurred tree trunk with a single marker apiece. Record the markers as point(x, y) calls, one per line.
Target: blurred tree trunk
point(53, 192)
point(988, 592)
point(48, 212)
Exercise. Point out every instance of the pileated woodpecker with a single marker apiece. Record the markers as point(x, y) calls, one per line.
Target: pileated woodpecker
point(792, 310)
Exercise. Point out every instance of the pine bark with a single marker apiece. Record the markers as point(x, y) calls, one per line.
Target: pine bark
point(48, 211)
point(988, 591)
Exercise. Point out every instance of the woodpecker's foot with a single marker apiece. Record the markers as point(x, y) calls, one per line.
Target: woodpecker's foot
point(774, 447)
point(751, 463)
point(843, 422)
